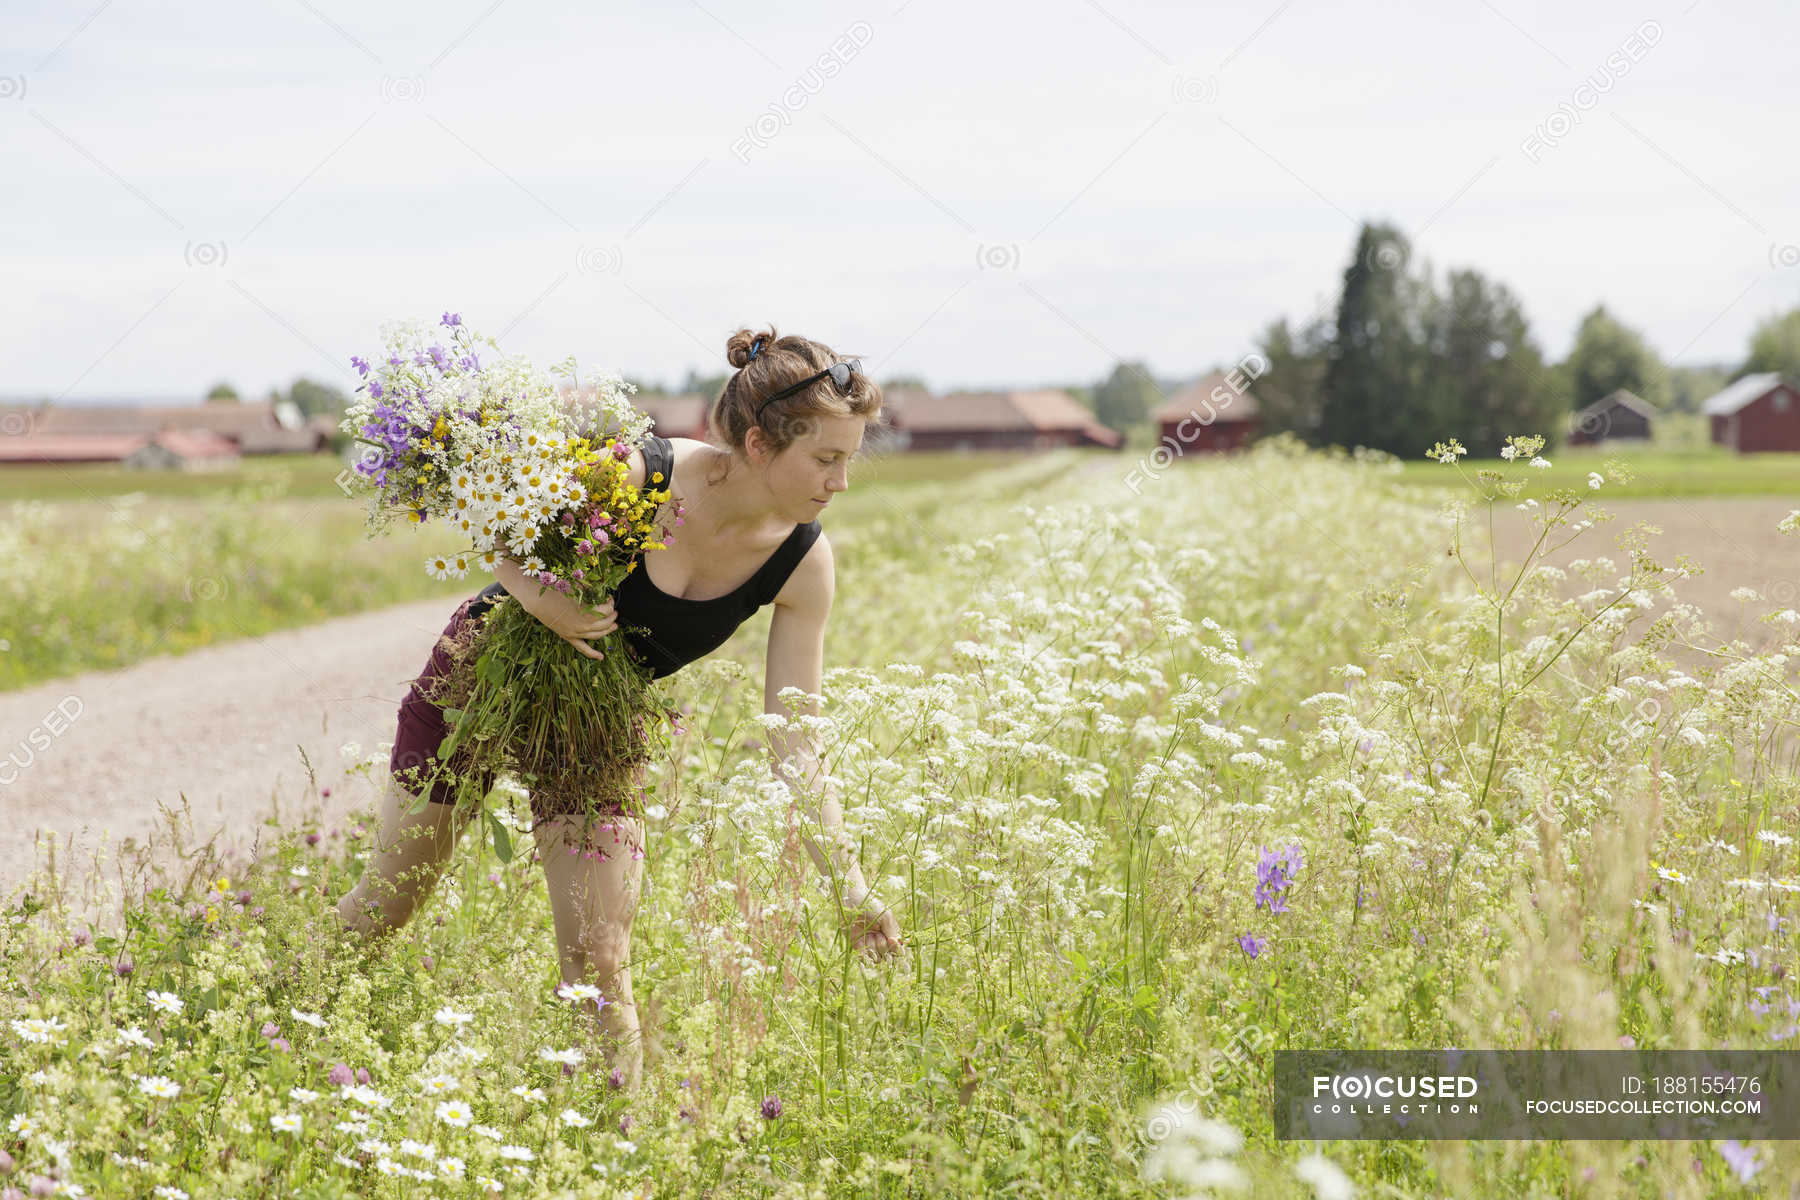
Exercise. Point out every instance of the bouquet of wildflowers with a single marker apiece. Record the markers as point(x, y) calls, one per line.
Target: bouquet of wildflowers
point(526, 469)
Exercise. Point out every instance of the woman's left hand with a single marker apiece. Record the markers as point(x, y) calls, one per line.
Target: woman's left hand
point(872, 928)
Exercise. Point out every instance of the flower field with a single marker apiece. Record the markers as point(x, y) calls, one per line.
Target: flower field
point(1264, 756)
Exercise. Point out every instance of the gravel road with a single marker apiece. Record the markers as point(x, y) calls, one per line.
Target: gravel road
point(224, 726)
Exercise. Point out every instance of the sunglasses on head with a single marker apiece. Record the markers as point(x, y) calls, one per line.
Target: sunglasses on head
point(839, 372)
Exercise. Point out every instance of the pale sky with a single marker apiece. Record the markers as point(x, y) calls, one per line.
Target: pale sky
point(983, 195)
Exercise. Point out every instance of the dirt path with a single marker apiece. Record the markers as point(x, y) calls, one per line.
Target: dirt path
point(225, 726)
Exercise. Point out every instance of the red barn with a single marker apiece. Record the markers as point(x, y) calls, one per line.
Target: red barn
point(1038, 419)
point(1619, 416)
point(1757, 413)
point(1211, 415)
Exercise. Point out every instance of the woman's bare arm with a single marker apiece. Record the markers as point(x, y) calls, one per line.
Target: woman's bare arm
point(796, 660)
point(563, 614)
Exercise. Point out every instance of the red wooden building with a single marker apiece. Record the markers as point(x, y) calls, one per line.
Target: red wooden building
point(1620, 416)
point(1210, 415)
point(1036, 419)
point(1757, 413)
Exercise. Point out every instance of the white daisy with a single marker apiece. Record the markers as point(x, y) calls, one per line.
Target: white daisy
point(452, 1166)
point(570, 1117)
point(136, 1037)
point(285, 1122)
point(302, 1095)
point(365, 1095)
point(488, 1132)
point(159, 1086)
point(423, 1150)
point(306, 1018)
point(455, 1112)
point(572, 1055)
point(26, 1125)
point(170, 1193)
point(449, 1016)
point(167, 1002)
point(39, 1029)
point(578, 992)
point(526, 1093)
point(439, 1085)
point(516, 1153)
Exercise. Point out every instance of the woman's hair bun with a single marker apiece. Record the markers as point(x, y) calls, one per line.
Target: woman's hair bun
point(738, 345)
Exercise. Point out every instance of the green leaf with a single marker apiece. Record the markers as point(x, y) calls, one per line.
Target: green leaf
point(502, 840)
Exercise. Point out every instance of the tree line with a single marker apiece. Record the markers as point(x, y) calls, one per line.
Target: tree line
point(1401, 363)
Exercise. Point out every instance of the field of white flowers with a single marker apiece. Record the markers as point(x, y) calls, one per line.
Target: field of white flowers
point(1264, 756)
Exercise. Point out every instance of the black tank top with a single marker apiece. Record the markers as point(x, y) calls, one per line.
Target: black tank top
point(679, 631)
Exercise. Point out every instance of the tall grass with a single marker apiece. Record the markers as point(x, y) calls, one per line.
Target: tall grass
point(1068, 727)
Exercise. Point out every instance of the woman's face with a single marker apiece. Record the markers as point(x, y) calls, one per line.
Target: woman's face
point(816, 466)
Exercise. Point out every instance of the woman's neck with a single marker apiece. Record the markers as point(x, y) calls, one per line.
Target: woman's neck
point(734, 506)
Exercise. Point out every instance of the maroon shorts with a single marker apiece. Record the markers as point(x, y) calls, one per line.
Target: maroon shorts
point(414, 760)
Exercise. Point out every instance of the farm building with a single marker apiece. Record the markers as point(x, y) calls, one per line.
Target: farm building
point(1619, 416)
point(111, 432)
point(184, 450)
point(168, 450)
point(1757, 413)
point(1039, 419)
point(682, 415)
point(1209, 415)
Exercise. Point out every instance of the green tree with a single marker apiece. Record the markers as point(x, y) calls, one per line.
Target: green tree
point(1608, 355)
point(906, 381)
point(222, 393)
point(1774, 346)
point(1375, 391)
point(312, 397)
point(1487, 375)
point(1690, 386)
point(707, 385)
point(1127, 397)
point(1290, 392)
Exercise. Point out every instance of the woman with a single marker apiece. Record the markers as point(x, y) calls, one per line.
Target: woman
point(790, 417)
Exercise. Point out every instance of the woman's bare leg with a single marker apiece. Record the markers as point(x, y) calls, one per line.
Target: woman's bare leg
point(404, 864)
point(593, 898)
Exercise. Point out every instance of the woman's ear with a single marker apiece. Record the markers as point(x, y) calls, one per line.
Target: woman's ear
point(756, 445)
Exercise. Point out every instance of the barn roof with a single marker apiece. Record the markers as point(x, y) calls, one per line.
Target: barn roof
point(196, 443)
point(1621, 398)
point(230, 419)
point(1197, 397)
point(68, 447)
point(1036, 409)
point(1735, 396)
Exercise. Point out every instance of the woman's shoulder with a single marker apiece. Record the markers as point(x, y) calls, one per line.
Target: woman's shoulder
point(666, 452)
point(809, 585)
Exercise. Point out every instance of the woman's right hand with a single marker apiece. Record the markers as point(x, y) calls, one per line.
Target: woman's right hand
point(566, 616)
point(573, 622)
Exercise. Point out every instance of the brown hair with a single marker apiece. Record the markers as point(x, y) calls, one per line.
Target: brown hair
point(777, 363)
